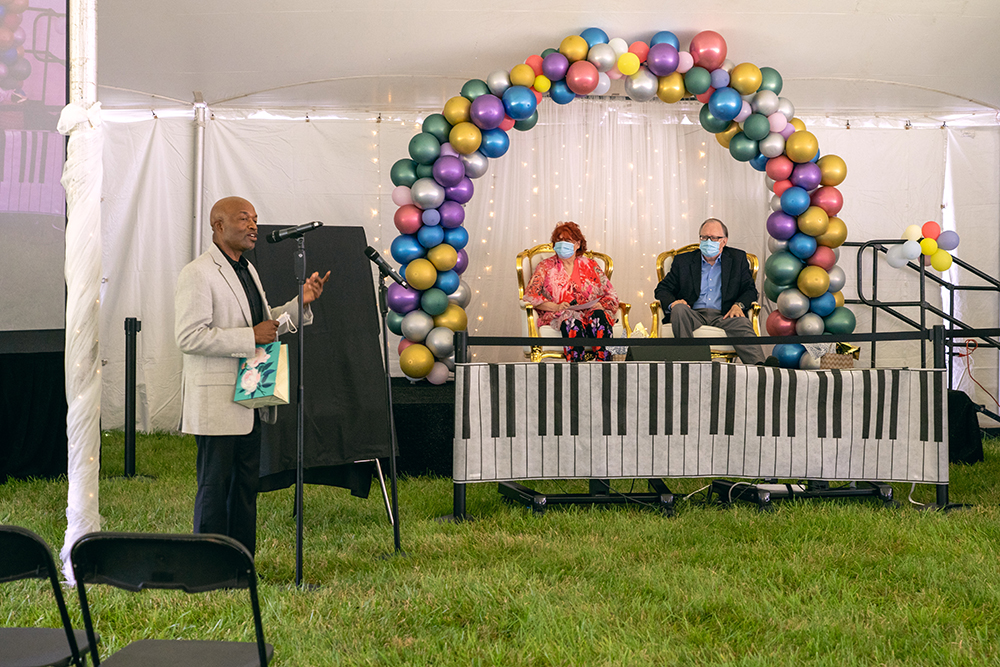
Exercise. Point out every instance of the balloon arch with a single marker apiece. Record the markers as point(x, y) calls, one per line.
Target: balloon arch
point(741, 108)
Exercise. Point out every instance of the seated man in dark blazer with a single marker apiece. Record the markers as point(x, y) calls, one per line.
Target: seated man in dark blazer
point(711, 286)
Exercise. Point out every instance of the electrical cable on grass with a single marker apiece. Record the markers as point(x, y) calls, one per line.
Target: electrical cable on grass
point(971, 345)
point(696, 492)
point(913, 488)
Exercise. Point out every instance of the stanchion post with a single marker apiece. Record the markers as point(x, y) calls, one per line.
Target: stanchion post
point(132, 328)
point(937, 341)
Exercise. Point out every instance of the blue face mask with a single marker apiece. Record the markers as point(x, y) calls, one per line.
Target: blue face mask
point(709, 248)
point(564, 249)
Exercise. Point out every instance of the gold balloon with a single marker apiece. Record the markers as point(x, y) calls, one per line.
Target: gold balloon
point(465, 138)
point(801, 147)
point(456, 110)
point(443, 257)
point(928, 247)
point(941, 260)
point(838, 298)
point(833, 169)
point(416, 360)
point(726, 135)
point(798, 125)
point(813, 281)
point(671, 88)
point(835, 235)
point(745, 78)
point(522, 75)
point(814, 221)
point(574, 48)
point(421, 274)
point(453, 317)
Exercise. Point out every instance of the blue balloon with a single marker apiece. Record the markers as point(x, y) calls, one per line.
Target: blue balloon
point(456, 237)
point(788, 354)
point(430, 217)
point(594, 36)
point(665, 37)
point(720, 79)
point(824, 304)
point(405, 248)
point(815, 157)
point(794, 201)
point(430, 236)
point(802, 245)
point(3, 11)
point(519, 102)
point(760, 162)
point(725, 103)
point(447, 281)
point(9, 57)
point(495, 143)
point(560, 93)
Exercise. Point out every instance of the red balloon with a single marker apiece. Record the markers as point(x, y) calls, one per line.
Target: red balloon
point(582, 77)
point(507, 123)
point(781, 186)
point(641, 49)
point(403, 344)
point(779, 168)
point(17, 6)
point(823, 257)
point(6, 38)
point(12, 21)
point(779, 325)
point(535, 63)
point(538, 96)
point(704, 97)
point(931, 230)
point(407, 219)
point(827, 198)
point(708, 49)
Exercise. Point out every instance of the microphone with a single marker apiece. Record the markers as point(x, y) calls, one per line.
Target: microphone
point(383, 266)
point(292, 232)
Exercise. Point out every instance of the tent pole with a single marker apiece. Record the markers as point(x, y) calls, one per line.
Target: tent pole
point(200, 114)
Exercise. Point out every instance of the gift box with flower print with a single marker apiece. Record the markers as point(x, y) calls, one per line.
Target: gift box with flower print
point(263, 378)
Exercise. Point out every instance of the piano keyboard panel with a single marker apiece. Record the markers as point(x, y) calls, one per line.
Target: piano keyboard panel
point(627, 420)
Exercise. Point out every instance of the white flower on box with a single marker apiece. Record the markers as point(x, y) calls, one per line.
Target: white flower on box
point(250, 380)
point(260, 355)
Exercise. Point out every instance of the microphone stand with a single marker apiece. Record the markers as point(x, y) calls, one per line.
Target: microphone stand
point(383, 305)
point(300, 271)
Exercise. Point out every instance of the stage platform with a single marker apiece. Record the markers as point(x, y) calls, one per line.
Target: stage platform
point(425, 426)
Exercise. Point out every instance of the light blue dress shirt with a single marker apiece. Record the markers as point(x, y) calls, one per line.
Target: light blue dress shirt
point(711, 285)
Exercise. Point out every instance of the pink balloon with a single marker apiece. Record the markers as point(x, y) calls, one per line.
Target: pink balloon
point(780, 186)
point(401, 195)
point(446, 149)
point(827, 198)
point(439, 373)
point(506, 123)
point(779, 325)
point(685, 61)
point(708, 49)
point(403, 344)
point(614, 73)
point(788, 131)
point(744, 113)
point(407, 219)
point(777, 121)
point(705, 96)
point(582, 77)
point(824, 258)
point(779, 168)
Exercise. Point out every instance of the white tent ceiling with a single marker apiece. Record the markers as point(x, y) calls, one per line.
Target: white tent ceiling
point(922, 57)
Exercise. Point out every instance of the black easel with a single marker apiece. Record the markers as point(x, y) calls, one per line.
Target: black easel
point(300, 276)
point(383, 306)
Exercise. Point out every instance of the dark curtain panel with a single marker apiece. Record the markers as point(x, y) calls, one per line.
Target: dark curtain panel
point(33, 413)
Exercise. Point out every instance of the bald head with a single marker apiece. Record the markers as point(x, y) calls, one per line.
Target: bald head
point(234, 225)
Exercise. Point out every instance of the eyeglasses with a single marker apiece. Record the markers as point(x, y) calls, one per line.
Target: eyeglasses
point(711, 238)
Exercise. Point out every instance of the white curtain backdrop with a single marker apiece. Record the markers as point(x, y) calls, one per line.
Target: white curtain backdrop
point(638, 178)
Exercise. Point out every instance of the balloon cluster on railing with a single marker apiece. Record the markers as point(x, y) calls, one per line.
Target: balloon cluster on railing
point(927, 240)
point(14, 69)
point(741, 107)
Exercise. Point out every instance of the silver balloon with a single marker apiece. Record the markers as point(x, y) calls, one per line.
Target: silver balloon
point(416, 325)
point(772, 145)
point(603, 84)
point(793, 304)
point(809, 324)
point(769, 182)
point(603, 57)
point(449, 362)
point(426, 193)
point(807, 362)
point(441, 342)
point(642, 85)
point(765, 102)
point(775, 245)
point(838, 278)
point(776, 203)
point(786, 108)
point(476, 164)
point(728, 65)
point(836, 254)
point(498, 82)
point(462, 296)
point(894, 256)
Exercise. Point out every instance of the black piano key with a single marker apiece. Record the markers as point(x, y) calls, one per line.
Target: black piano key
point(776, 405)
point(511, 408)
point(34, 158)
point(24, 156)
point(574, 404)
point(923, 403)
point(866, 405)
point(606, 399)
point(623, 399)
point(466, 388)
point(543, 400)
point(713, 419)
point(557, 400)
point(494, 401)
point(668, 399)
point(880, 404)
point(761, 400)
point(938, 402)
point(685, 378)
point(44, 153)
point(894, 405)
point(838, 403)
point(730, 399)
point(791, 404)
point(821, 406)
point(654, 399)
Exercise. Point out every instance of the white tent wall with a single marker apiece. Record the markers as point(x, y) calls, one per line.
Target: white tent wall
point(638, 178)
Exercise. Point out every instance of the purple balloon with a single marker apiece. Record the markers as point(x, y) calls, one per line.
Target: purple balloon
point(947, 240)
point(720, 78)
point(463, 262)
point(452, 214)
point(446, 149)
point(781, 226)
point(662, 59)
point(806, 176)
point(402, 299)
point(461, 192)
point(555, 66)
point(788, 131)
point(487, 112)
point(430, 217)
point(449, 171)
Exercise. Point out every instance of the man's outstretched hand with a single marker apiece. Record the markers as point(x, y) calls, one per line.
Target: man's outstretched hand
point(313, 287)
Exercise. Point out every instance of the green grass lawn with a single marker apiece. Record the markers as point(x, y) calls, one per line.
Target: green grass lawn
point(815, 582)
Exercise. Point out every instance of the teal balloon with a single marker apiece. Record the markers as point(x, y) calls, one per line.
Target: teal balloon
point(425, 171)
point(437, 125)
point(697, 80)
point(403, 172)
point(394, 321)
point(424, 148)
point(772, 291)
point(742, 147)
point(473, 88)
point(770, 80)
point(548, 52)
point(840, 321)
point(788, 354)
point(756, 126)
point(434, 301)
point(527, 123)
point(782, 268)
point(710, 122)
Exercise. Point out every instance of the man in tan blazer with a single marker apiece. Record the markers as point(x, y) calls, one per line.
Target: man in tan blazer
point(221, 314)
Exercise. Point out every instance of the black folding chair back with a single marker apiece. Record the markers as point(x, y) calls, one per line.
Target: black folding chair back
point(192, 563)
point(25, 555)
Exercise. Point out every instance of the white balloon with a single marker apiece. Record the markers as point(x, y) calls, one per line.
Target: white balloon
point(895, 257)
point(808, 362)
point(911, 250)
point(619, 45)
point(728, 65)
point(603, 83)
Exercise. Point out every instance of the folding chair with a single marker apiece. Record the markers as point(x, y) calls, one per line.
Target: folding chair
point(24, 555)
point(192, 563)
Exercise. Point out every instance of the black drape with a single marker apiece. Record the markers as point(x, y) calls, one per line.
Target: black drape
point(33, 414)
point(346, 417)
